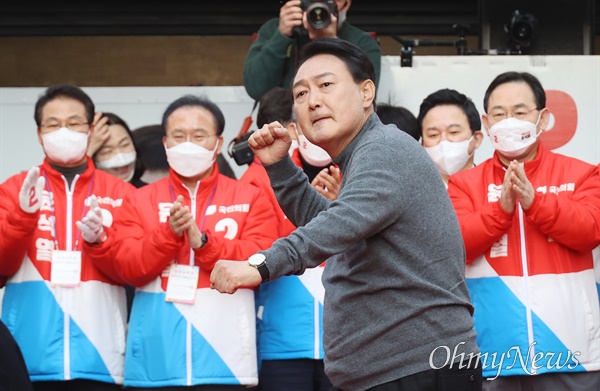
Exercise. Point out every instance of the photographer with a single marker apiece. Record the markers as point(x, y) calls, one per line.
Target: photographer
point(272, 58)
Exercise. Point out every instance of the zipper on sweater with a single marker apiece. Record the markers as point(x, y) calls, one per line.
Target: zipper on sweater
point(188, 325)
point(525, 266)
point(67, 291)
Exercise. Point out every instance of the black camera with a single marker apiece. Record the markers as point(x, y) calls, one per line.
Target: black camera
point(240, 151)
point(318, 12)
point(520, 30)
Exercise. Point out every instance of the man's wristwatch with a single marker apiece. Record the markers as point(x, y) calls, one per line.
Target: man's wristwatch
point(259, 261)
point(204, 239)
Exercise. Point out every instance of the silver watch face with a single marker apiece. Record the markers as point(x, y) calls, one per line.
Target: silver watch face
point(256, 259)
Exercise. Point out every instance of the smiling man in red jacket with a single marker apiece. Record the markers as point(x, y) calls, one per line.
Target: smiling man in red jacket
point(530, 219)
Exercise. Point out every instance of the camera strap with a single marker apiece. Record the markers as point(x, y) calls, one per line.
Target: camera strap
point(247, 122)
point(245, 127)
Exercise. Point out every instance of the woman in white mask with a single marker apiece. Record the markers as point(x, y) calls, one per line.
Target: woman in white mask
point(450, 131)
point(113, 150)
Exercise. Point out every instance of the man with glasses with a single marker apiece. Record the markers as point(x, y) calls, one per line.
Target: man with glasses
point(166, 242)
point(66, 312)
point(530, 219)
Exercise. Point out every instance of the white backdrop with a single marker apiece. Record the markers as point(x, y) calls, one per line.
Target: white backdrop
point(577, 77)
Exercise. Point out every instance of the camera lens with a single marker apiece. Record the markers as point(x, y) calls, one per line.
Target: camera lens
point(522, 32)
point(318, 16)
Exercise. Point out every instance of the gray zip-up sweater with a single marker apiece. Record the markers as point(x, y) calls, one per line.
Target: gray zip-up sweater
point(395, 274)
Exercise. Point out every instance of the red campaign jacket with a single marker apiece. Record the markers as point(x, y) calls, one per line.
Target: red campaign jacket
point(237, 219)
point(566, 208)
point(530, 273)
point(28, 234)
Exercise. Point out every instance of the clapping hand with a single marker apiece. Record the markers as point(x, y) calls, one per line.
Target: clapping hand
point(30, 195)
point(91, 225)
point(180, 218)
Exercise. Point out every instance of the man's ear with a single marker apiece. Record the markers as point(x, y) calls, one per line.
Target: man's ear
point(291, 127)
point(544, 119)
point(368, 93)
point(346, 5)
point(39, 134)
point(485, 123)
point(219, 147)
point(478, 136)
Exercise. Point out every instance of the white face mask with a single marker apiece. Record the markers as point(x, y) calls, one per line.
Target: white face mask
point(65, 146)
point(511, 137)
point(189, 159)
point(449, 157)
point(293, 147)
point(313, 154)
point(119, 160)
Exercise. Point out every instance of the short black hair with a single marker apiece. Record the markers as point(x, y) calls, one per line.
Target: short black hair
point(192, 100)
point(399, 116)
point(447, 96)
point(358, 63)
point(517, 77)
point(277, 104)
point(64, 91)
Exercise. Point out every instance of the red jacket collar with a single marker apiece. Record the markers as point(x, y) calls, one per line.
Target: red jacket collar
point(205, 187)
point(53, 174)
point(531, 166)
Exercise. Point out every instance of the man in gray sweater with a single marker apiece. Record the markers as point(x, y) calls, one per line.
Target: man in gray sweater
point(397, 314)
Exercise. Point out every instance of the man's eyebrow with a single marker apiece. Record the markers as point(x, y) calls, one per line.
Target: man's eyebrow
point(319, 76)
point(518, 105)
point(299, 82)
point(322, 75)
point(436, 128)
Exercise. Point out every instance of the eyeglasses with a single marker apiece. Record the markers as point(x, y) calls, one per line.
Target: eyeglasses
point(76, 126)
point(521, 113)
point(196, 138)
